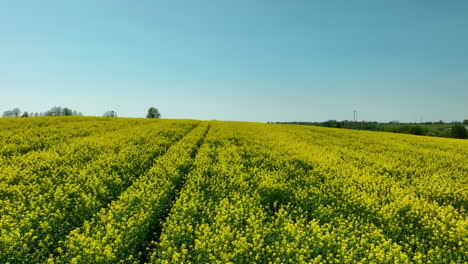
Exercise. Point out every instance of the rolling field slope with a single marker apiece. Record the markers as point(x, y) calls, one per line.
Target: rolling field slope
point(117, 190)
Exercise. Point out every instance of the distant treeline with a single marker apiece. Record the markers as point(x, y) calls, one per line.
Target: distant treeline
point(54, 111)
point(436, 129)
point(153, 112)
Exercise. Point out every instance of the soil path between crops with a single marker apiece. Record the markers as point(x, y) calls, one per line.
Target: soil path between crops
point(156, 230)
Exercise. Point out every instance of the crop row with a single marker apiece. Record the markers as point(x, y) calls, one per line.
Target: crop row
point(46, 197)
point(124, 229)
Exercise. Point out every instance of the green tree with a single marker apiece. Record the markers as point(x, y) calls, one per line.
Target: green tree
point(8, 113)
point(153, 113)
point(458, 131)
point(17, 112)
point(416, 130)
point(111, 113)
point(67, 111)
point(54, 111)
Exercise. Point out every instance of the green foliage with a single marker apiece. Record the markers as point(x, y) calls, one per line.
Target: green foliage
point(416, 130)
point(59, 111)
point(458, 131)
point(436, 129)
point(153, 113)
point(66, 111)
point(110, 113)
point(16, 112)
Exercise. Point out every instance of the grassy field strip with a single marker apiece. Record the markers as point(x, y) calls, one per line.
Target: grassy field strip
point(36, 217)
point(43, 133)
point(126, 227)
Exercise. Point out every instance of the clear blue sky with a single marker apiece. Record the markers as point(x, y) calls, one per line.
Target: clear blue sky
point(238, 60)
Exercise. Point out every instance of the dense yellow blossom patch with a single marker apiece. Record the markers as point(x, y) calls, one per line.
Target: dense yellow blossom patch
point(100, 190)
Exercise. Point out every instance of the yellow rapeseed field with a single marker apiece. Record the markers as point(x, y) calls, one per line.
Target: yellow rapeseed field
point(121, 190)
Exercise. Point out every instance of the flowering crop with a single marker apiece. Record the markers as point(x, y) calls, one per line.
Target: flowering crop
point(102, 190)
